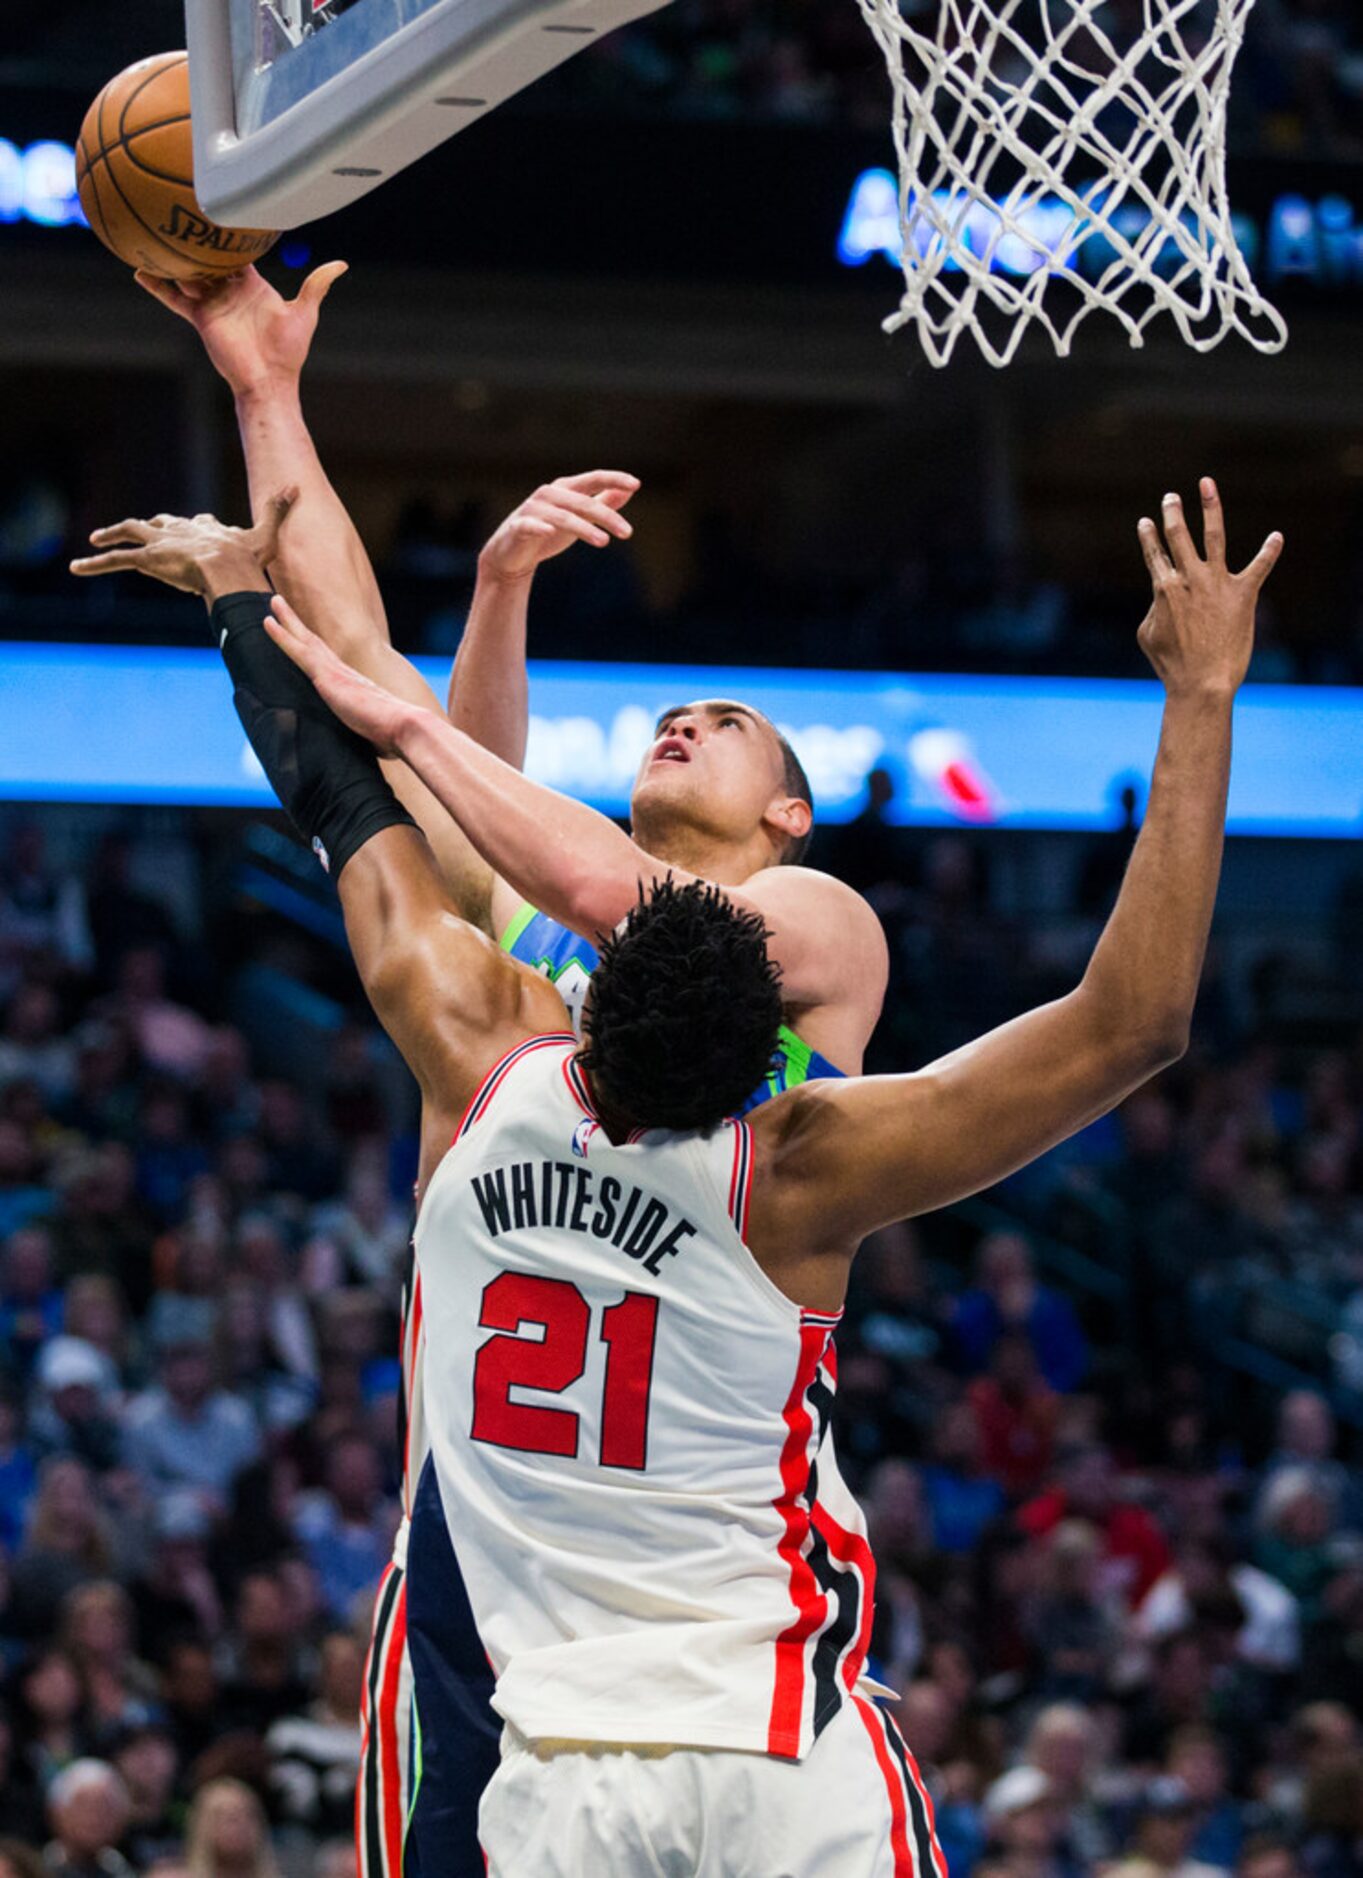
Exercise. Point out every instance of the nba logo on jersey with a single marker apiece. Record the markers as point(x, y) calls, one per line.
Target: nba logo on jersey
point(582, 1135)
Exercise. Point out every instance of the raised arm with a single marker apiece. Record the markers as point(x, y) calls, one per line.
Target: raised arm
point(449, 998)
point(837, 1160)
point(258, 342)
point(488, 697)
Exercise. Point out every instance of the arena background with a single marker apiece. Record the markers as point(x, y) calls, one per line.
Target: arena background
point(1106, 1420)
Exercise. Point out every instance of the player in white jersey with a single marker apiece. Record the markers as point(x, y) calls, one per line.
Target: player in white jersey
point(641, 1564)
point(705, 812)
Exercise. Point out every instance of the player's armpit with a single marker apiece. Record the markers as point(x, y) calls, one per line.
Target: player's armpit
point(449, 998)
point(836, 1160)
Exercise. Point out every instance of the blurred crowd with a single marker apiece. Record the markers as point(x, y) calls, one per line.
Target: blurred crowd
point(1121, 1582)
point(1298, 88)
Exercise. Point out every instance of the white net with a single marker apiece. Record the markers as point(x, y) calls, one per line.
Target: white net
point(1062, 157)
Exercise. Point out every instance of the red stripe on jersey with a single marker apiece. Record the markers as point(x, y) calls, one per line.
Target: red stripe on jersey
point(388, 1734)
point(852, 1548)
point(811, 1605)
point(410, 1356)
point(740, 1180)
point(899, 1814)
point(488, 1087)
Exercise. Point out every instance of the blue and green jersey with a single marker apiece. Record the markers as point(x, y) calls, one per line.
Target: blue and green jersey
point(569, 961)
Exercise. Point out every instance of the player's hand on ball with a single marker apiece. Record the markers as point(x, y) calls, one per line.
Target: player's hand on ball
point(1199, 632)
point(253, 335)
point(197, 553)
point(361, 705)
point(571, 508)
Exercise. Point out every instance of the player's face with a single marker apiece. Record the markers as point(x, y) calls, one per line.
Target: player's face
point(715, 764)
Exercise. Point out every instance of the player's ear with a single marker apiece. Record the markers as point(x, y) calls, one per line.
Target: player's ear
point(789, 818)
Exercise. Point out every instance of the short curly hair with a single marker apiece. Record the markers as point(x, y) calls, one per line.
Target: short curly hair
point(685, 1008)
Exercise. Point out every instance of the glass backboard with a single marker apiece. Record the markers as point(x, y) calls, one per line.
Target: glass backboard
point(300, 106)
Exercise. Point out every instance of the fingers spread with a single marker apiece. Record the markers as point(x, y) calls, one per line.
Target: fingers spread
point(562, 496)
point(1176, 534)
point(1213, 524)
point(114, 562)
point(129, 531)
point(1263, 563)
point(1153, 550)
point(594, 482)
point(321, 280)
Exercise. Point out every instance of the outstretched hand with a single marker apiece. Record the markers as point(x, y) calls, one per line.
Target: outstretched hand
point(1199, 632)
point(252, 333)
point(197, 553)
point(361, 705)
point(571, 508)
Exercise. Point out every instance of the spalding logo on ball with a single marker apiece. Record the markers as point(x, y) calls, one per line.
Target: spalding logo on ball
point(135, 174)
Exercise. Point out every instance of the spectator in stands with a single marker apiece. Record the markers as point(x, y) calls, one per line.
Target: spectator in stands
point(364, 1239)
point(176, 1597)
point(147, 1762)
point(96, 1630)
point(315, 1755)
point(1006, 1295)
point(1069, 1621)
point(1064, 1744)
point(1307, 1437)
point(226, 1836)
point(75, 1404)
point(1166, 1824)
point(68, 1543)
point(1271, 1638)
point(122, 917)
point(169, 1037)
point(346, 1530)
point(25, 1195)
point(18, 1478)
point(1294, 1545)
point(182, 1432)
point(962, 1498)
point(1332, 1820)
point(263, 1667)
point(1134, 1551)
point(88, 1807)
point(1265, 1856)
point(93, 1309)
point(1197, 1760)
point(100, 1225)
point(33, 1045)
point(1024, 1825)
point(1016, 1413)
point(30, 1303)
point(42, 912)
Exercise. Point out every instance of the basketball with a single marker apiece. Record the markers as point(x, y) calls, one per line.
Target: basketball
point(135, 176)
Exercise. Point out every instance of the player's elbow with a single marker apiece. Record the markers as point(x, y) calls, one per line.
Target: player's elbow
point(1153, 1043)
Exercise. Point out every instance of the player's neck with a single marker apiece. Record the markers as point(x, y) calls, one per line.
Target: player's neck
point(712, 857)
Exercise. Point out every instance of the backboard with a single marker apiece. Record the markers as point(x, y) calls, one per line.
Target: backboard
point(300, 106)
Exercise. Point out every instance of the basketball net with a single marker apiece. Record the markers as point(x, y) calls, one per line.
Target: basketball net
point(1079, 169)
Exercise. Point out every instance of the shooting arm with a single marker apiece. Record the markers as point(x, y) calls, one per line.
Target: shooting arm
point(258, 342)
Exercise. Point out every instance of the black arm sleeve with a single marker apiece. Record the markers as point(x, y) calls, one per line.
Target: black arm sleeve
point(327, 779)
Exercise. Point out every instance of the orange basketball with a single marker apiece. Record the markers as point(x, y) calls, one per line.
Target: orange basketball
point(135, 174)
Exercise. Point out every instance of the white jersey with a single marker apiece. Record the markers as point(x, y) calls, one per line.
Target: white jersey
point(626, 1417)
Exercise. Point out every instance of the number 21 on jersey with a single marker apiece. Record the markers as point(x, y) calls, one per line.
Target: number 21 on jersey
point(554, 1362)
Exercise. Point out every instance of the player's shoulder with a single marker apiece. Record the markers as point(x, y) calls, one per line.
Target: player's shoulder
point(808, 889)
point(828, 914)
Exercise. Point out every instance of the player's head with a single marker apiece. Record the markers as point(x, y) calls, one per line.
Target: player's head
point(722, 771)
point(685, 1005)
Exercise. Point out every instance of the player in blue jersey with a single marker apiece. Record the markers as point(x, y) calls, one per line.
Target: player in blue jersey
point(719, 794)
